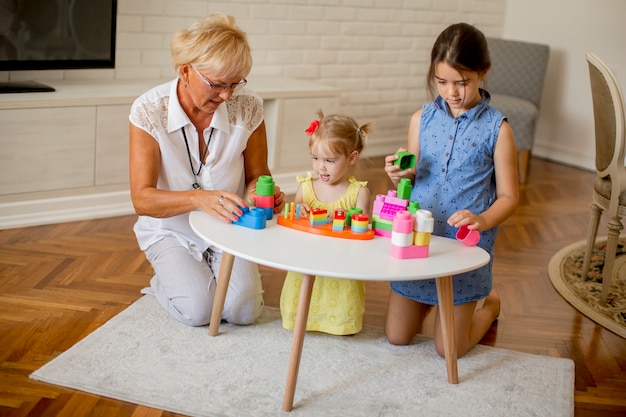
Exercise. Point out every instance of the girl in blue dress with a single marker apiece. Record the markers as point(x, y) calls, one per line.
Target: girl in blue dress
point(466, 174)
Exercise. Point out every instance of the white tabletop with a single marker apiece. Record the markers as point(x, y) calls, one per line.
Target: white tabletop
point(287, 249)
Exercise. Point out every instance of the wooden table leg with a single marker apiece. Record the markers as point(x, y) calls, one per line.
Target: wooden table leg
point(299, 331)
point(223, 279)
point(446, 311)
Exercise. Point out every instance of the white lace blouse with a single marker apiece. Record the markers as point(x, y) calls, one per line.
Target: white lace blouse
point(158, 112)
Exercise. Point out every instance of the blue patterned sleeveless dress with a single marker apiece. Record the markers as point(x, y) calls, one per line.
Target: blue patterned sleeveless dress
point(455, 172)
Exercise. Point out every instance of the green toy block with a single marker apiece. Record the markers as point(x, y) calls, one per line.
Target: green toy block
point(265, 186)
point(405, 160)
point(404, 189)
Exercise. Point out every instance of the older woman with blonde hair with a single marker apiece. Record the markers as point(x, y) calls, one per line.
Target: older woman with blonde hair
point(198, 143)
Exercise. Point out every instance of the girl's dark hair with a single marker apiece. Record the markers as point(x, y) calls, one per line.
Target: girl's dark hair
point(461, 46)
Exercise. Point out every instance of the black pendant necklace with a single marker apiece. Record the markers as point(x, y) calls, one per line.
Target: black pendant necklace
point(196, 185)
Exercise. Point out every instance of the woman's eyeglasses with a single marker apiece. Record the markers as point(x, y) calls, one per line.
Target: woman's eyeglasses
point(220, 87)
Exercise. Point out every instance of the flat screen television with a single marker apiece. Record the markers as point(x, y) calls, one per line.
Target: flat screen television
point(55, 34)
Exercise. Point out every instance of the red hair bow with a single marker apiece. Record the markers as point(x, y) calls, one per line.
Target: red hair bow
point(312, 127)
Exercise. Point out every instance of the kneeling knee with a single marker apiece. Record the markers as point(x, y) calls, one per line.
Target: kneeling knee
point(397, 339)
point(192, 313)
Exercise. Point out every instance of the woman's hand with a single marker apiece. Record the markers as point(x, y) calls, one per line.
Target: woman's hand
point(220, 203)
point(279, 200)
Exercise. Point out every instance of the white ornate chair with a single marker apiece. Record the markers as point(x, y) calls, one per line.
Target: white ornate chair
point(515, 82)
point(609, 191)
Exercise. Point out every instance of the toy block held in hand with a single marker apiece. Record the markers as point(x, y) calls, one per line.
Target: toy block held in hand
point(265, 189)
point(467, 236)
point(405, 160)
point(252, 218)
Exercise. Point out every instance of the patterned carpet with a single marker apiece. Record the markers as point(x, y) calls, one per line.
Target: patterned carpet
point(584, 294)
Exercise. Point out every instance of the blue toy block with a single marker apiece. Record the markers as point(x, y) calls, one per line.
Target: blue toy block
point(253, 218)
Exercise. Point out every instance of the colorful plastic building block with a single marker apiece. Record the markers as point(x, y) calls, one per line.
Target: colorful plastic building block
point(252, 218)
point(339, 220)
point(387, 206)
point(467, 236)
point(265, 195)
point(405, 160)
point(352, 212)
point(360, 223)
point(289, 219)
point(410, 235)
point(404, 189)
point(384, 210)
point(318, 216)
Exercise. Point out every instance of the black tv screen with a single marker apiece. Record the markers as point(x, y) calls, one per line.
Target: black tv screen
point(57, 34)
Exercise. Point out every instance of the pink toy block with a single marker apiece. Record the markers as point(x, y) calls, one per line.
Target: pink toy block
point(382, 232)
point(378, 204)
point(387, 206)
point(467, 236)
point(403, 222)
point(263, 201)
point(409, 252)
point(381, 227)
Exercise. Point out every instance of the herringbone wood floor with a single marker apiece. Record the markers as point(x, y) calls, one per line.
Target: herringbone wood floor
point(60, 282)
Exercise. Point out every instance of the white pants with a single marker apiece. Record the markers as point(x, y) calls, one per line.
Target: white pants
point(185, 287)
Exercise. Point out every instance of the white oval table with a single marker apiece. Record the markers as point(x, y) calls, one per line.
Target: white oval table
point(310, 254)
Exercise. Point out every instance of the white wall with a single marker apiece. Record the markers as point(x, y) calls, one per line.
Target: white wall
point(375, 51)
point(565, 131)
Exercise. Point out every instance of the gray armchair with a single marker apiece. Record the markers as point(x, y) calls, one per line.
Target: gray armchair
point(515, 82)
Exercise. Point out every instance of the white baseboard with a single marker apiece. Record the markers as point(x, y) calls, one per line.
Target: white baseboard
point(566, 156)
point(64, 209)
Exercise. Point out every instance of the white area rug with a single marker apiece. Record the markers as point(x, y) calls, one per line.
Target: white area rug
point(145, 357)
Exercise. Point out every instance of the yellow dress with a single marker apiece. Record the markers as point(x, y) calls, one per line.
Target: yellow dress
point(337, 305)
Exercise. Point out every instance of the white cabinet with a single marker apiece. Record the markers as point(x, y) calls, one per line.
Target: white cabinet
point(111, 153)
point(64, 154)
point(46, 149)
